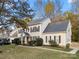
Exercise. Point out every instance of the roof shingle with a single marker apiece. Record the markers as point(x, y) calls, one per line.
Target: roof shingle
point(56, 27)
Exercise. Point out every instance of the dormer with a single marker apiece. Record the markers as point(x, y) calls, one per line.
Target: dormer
point(38, 25)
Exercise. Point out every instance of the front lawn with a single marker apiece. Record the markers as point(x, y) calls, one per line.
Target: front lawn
point(58, 48)
point(17, 52)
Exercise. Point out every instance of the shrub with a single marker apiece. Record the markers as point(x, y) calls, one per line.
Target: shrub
point(68, 46)
point(12, 41)
point(17, 41)
point(31, 43)
point(53, 43)
point(39, 42)
point(6, 41)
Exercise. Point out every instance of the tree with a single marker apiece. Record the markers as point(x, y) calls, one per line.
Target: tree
point(75, 9)
point(2, 5)
point(18, 10)
point(12, 11)
point(75, 6)
point(4, 19)
point(20, 22)
point(78, 25)
point(74, 21)
point(21, 9)
point(49, 9)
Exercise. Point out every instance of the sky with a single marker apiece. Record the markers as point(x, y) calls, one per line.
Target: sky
point(66, 4)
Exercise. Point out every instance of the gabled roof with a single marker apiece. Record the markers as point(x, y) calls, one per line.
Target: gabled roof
point(37, 21)
point(56, 27)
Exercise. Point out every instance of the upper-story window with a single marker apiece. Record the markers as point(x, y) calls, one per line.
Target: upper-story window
point(31, 29)
point(46, 39)
point(38, 28)
point(28, 29)
point(35, 29)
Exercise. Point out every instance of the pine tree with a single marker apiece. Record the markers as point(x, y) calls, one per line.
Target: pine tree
point(14, 10)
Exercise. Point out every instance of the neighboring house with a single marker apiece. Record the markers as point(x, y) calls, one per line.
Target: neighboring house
point(47, 30)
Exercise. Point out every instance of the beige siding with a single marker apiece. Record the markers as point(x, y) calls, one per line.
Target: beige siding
point(62, 34)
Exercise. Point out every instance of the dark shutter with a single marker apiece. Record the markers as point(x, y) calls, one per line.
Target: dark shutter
point(59, 39)
point(46, 39)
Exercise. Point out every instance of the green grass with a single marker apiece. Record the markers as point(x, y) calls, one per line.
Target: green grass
point(77, 55)
point(17, 52)
point(58, 48)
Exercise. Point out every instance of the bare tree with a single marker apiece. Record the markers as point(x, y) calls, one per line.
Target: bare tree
point(75, 6)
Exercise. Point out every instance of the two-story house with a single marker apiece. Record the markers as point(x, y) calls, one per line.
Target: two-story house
point(47, 30)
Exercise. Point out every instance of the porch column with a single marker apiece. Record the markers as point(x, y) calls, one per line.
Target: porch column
point(25, 40)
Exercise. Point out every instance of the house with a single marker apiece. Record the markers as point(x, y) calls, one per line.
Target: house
point(47, 30)
point(59, 31)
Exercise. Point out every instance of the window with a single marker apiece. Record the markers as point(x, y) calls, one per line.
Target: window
point(35, 29)
point(28, 29)
point(38, 28)
point(55, 38)
point(46, 39)
point(59, 39)
point(50, 38)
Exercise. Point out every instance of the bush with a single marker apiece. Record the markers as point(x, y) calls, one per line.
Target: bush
point(4, 41)
point(53, 43)
point(68, 46)
point(39, 42)
point(17, 41)
point(31, 43)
